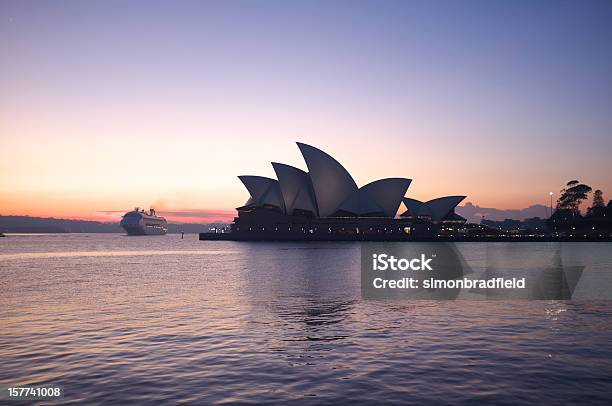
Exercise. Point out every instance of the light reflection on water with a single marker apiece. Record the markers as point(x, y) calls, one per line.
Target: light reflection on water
point(145, 253)
point(262, 322)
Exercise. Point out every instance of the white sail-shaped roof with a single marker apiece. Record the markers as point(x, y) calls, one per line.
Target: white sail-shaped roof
point(415, 208)
point(264, 191)
point(382, 197)
point(332, 184)
point(327, 189)
point(442, 206)
point(437, 209)
point(387, 194)
point(295, 188)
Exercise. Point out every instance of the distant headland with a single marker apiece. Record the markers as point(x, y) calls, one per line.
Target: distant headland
point(27, 224)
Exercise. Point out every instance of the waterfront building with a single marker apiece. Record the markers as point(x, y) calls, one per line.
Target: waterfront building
point(325, 203)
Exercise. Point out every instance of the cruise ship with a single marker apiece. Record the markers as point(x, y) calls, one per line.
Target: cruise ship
point(138, 222)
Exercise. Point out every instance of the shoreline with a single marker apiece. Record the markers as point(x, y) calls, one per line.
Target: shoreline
point(391, 238)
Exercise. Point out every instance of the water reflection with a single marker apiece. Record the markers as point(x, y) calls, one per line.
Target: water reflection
point(278, 323)
point(311, 288)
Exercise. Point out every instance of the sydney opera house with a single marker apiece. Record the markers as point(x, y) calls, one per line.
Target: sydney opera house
point(325, 203)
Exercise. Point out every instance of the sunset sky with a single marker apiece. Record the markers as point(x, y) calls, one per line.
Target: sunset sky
point(114, 104)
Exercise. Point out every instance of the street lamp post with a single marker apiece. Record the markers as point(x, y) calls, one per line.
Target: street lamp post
point(551, 209)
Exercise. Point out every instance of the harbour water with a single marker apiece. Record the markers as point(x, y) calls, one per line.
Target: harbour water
point(158, 319)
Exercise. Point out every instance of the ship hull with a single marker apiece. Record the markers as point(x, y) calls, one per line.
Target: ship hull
point(144, 230)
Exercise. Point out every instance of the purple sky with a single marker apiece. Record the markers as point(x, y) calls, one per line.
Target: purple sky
point(109, 105)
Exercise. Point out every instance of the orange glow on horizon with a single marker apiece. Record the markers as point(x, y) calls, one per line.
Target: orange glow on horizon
point(61, 181)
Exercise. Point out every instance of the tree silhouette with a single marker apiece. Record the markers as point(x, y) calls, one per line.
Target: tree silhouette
point(598, 200)
point(598, 207)
point(572, 195)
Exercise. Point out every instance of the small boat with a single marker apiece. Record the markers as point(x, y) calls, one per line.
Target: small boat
point(138, 222)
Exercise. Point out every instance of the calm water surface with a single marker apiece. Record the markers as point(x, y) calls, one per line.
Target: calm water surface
point(135, 319)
